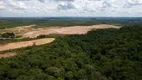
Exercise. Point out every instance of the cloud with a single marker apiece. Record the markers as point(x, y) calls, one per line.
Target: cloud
point(65, 6)
point(131, 3)
point(81, 7)
point(15, 4)
point(42, 1)
point(2, 6)
point(56, 0)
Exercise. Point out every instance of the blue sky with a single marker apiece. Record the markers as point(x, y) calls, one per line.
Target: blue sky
point(66, 8)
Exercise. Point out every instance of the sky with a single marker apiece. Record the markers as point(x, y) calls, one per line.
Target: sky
point(70, 8)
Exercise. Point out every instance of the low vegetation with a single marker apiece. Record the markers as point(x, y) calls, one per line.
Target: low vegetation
point(7, 35)
point(66, 21)
point(108, 54)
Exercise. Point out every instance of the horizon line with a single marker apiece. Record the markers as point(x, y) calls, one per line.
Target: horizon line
point(74, 17)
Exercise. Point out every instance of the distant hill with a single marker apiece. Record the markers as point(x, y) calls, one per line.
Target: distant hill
point(67, 21)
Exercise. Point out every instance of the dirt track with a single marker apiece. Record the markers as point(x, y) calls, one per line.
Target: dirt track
point(16, 45)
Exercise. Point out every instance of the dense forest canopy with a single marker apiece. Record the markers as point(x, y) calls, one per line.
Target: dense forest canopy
point(107, 54)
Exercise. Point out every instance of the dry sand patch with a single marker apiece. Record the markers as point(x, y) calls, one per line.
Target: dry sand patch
point(65, 30)
point(29, 31)
point(10, 54)
point(16, 45)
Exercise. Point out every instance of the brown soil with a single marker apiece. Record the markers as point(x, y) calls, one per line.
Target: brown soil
point(25, 44)
point(29, 31)
point(10, 54)
point(20, 30)
point(65, 30)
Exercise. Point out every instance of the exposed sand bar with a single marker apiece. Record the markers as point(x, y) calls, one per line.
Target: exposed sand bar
point(17, 45)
